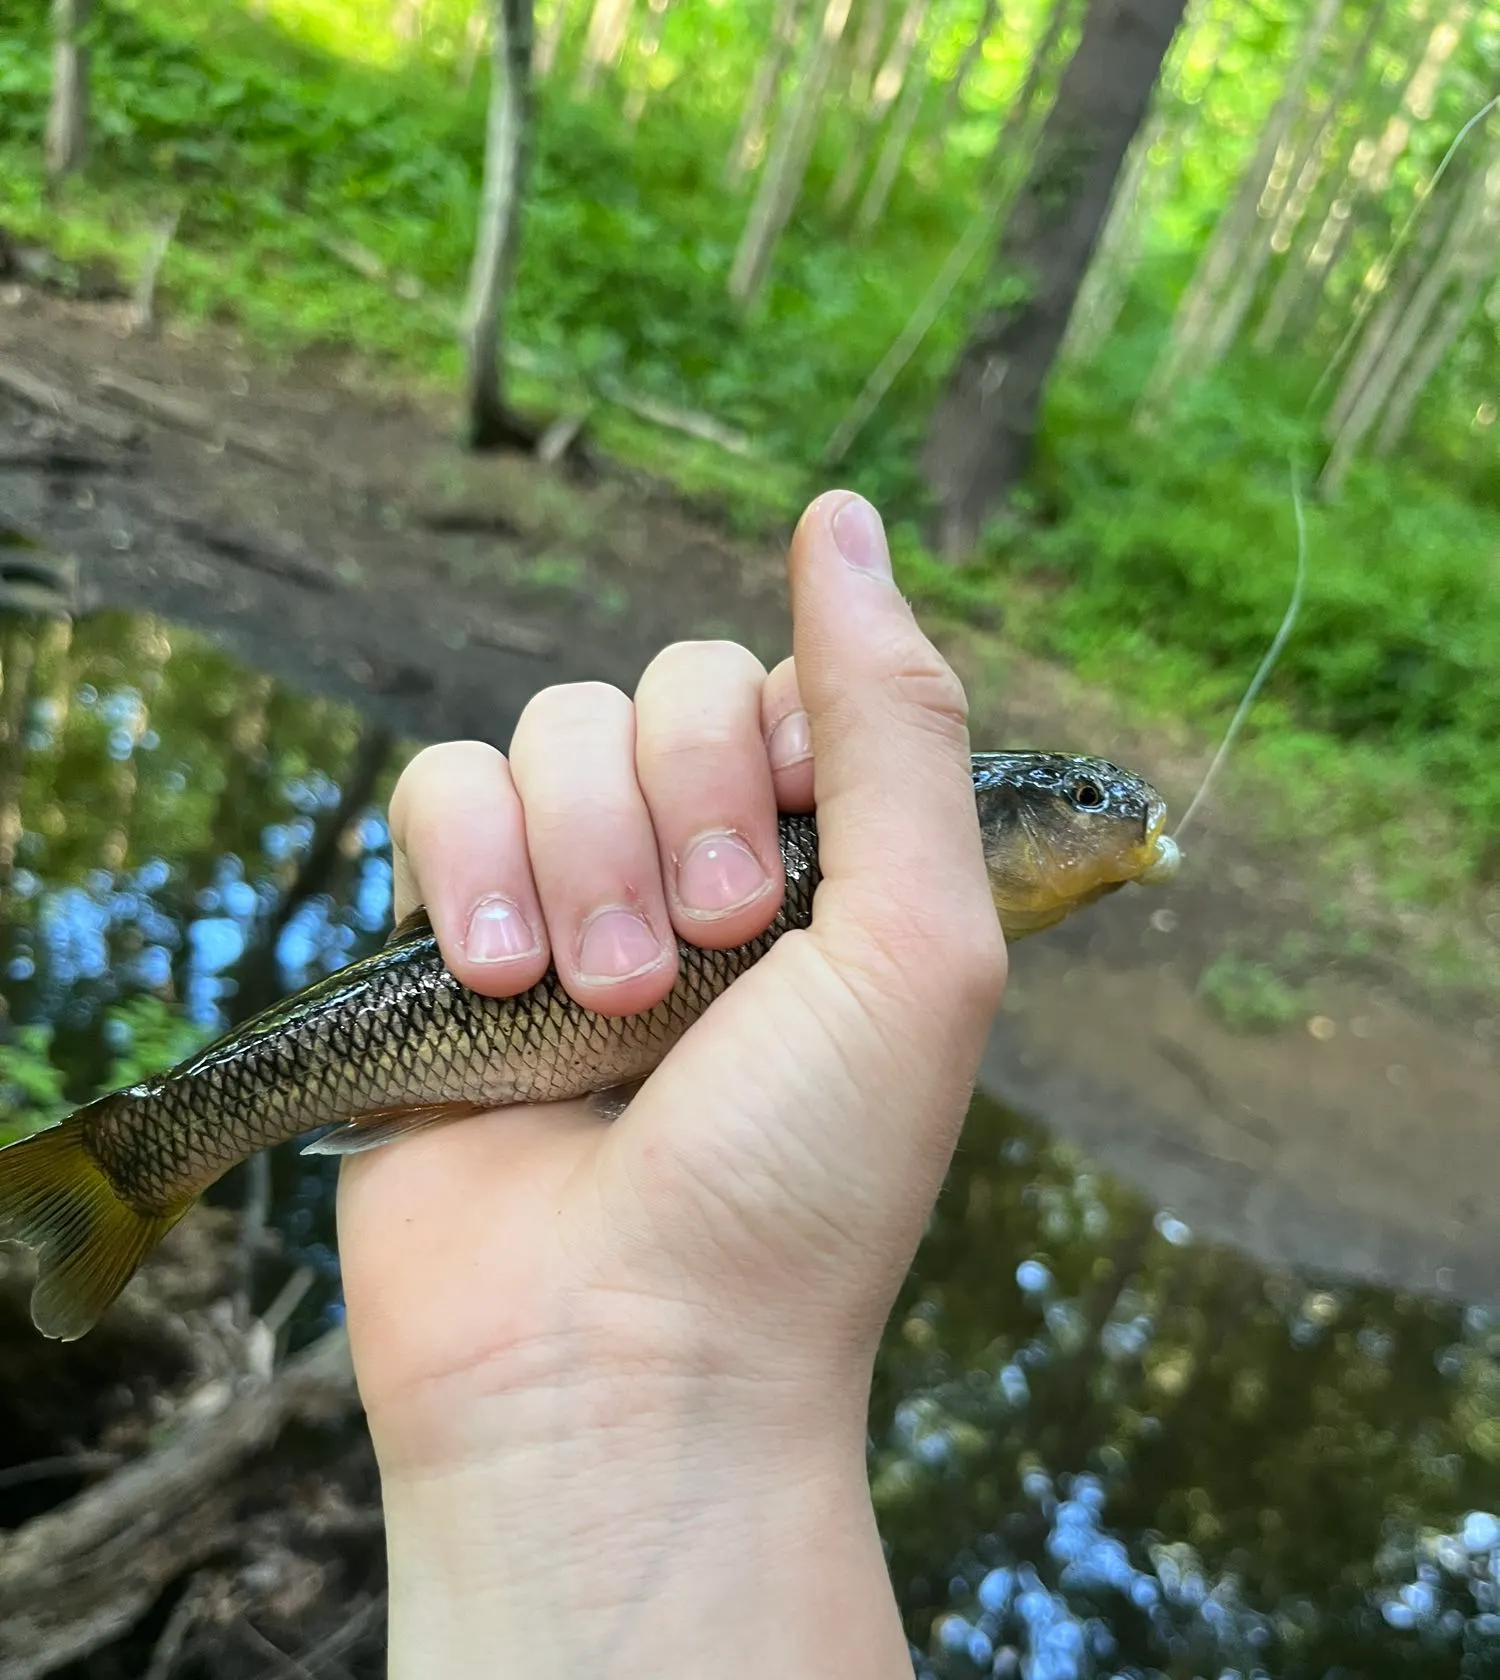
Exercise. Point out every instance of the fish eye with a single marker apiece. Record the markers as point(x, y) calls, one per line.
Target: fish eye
point(1087, 795)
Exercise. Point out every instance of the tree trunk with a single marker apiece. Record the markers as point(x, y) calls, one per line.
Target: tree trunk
point(646, 50)
point(406, 20)
point(1132, 205)
point(972, 53)
point(1364, 173)
point(750, 142)
point(1429, 354)
point(1008, 143)
point(884, 92)
point(781, 180)
point(68, 116)
point(1102, 295)
point(549, 38)
point(1320, 249)
point(608, 23)
point(476, 39)
point(982, 433)
point(1467, 252)
point(1395, 298)
point(897, 139)
point(490, 423)
point(1307, 168)
point(867, 45)
point(1283, 203)
point(1194, 323)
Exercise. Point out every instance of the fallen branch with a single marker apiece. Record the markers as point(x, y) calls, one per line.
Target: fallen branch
point(174, 1635)
point(232, 547)
point(55, 399)
point(512, 638)
point(184, 415)
point(701, 426)
point(556, 439)
point(79, 1577)
point(64, 1464)
point(371, 265)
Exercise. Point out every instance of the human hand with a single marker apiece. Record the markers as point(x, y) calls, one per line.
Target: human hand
point(664, 1327)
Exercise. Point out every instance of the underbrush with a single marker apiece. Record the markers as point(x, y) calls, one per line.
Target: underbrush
point(1158, 565)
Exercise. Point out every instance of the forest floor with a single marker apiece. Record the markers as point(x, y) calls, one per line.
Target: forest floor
point(324, 526)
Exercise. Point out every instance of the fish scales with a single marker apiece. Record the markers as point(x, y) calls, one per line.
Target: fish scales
point(394, 1042)
point(397, 1031)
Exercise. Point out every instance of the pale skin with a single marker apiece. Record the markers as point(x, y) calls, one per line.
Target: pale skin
point(617, 1374)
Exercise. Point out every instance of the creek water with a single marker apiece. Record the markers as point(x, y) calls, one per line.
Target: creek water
point(1100, 1443)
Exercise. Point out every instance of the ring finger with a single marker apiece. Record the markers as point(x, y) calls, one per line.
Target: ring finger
point(593, 851)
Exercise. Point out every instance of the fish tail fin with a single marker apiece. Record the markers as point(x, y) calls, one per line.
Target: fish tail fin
point(57, 1200)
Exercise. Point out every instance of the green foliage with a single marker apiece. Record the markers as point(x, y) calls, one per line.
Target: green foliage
point(31, 1086)
point(1159, 564)
point(1249, 996)
point(1164, 564)
point(146, 1036)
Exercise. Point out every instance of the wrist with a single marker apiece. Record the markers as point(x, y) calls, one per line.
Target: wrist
point(642, 1526)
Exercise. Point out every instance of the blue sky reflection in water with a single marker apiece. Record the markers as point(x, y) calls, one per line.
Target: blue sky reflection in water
point(1098, 1446)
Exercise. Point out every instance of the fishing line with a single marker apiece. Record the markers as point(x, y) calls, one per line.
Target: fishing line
point(1267, 664)
point(1383, 272)
point(1289, 619)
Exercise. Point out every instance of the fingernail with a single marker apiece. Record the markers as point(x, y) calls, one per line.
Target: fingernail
point(791, 741)
point(860, 535)
point(498, 932)
point(616, 945)
point(718, 873)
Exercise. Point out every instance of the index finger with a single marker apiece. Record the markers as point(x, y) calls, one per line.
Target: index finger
point(458, 842)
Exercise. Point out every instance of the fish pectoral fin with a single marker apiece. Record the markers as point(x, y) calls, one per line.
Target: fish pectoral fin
point(416, 924)
point(56, 1200)
point(380, 1126)
point(612, 1102)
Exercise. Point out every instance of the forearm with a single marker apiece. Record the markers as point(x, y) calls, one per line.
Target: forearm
point(659, 1542)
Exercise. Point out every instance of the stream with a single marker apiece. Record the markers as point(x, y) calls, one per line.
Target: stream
point(1100, 1443)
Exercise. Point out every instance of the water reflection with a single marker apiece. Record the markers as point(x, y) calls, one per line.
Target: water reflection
point(173, 829)
point(1102, 1447)
point(1098, 1446)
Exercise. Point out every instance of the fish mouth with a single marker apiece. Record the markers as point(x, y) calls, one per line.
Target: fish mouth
point(1065, 879)
point(1162, 853)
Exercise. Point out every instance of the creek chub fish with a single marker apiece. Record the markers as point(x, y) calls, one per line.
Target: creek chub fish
point(394, 1043)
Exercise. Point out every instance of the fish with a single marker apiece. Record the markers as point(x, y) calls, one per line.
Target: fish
point(393, 1043)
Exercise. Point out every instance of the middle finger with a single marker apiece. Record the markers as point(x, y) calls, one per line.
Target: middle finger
point(593, 850)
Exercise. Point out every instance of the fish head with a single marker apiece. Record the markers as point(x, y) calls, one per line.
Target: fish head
point(1060, 831)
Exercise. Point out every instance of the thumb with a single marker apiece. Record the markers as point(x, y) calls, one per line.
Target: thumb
point(904, 911)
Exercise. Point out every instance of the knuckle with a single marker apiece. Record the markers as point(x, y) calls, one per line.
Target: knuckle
point(568, 705)
point(434, 771)
point(711, 676)
point(979, 960)
point(700, 745)
point(694, 655)
point(947, 962)
point(927, 686)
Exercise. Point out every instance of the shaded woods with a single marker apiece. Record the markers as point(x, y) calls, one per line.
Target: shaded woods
point(1067, 286)
point(1063, 285)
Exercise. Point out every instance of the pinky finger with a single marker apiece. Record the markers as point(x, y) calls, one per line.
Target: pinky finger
point(783, 722)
